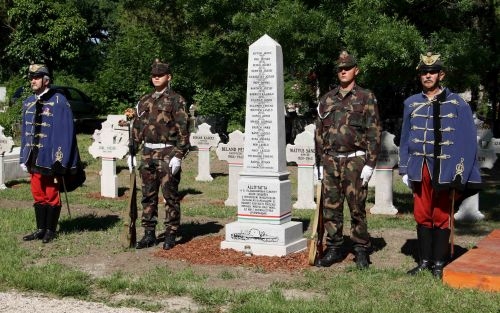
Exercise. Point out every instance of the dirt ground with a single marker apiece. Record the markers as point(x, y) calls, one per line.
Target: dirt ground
point(199, 248)
point(393, 248)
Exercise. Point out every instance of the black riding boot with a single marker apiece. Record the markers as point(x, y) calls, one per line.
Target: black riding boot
point(441, 251)
point(169, 242)
point(148, 240)
point(424, 237)
point(40, 211)
point(361, 257)
point(332, 255)
point(52, 219)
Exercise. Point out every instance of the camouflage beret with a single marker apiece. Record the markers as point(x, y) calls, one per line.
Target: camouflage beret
point(346, 60)
point(159, 68)
point(38, 70)
point(430, 61)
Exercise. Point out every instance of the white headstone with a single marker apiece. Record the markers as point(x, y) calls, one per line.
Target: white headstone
point(11, 167)
point(387, 159)
point(3, 94)
point(204, 140)
point(6, 144)
point(110, 143)
point(302, 152)
point(264, 223)
point(232, 152)
point(494, 145)
point(468, 211)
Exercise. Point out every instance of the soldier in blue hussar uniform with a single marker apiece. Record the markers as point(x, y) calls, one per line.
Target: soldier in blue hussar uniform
point(48, 149)
point(437, 160)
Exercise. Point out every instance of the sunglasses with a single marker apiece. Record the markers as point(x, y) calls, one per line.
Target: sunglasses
point(344, 68)
point(425, 72)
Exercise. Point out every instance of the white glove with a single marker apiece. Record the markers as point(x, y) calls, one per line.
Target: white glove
point(406, 181)
point(24, 167)
point(366, 174)
point(131, 162)
point(175, 165)
point(318, 171)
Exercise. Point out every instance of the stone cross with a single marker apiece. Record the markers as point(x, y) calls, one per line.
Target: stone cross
point(264, 225)
point(204, 140)
point(6, 144)
point(387, 159)
point(302, 152)
point(110, 143)
point(232, 152)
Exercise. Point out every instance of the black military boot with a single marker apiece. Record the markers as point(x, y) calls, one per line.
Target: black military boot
point(40, 211)
point(332, 255)
point(148, 240)
point(361, 257)
point(169, 242)
point(441, 250)
point(52, 219)
point(424, 237)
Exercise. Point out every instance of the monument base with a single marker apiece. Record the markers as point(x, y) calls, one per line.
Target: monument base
point(265, 239)
point(388, 210)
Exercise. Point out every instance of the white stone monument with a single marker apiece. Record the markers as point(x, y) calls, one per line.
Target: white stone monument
point(487, 151)
point(204, 140)
point(6, 144)
point(387, 159)
point(264, 225)
point(232, 152)
point(302, 152)
point(110, 143)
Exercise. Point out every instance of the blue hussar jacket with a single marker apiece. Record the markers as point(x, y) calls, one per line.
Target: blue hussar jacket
point(442, 133)
point(48, 140)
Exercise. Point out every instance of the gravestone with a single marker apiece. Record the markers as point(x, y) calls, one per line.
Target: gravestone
point(110, 143)
point(11, 167)
point(302, 152)
point(468, 211)
point(264, 225)
point(6, 144)
point(204, 140)
point(387, 159)
point(232, 152)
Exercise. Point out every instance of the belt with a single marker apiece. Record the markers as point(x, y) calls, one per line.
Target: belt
point(156, 145)
point(345, 154)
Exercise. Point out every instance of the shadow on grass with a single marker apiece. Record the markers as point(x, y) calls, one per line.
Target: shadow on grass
point(89, 222)
point(215, 175)
point(410, 248)
point(189, 191)
point(20, 181)
point(194, 229)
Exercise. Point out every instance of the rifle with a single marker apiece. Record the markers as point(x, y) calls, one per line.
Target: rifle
point(130, 234)
point(318, 229)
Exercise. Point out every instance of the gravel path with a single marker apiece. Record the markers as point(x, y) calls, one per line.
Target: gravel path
point(11, 302)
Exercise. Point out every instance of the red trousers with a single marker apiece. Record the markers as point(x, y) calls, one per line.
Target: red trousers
point(431, 208)
point(45, 190)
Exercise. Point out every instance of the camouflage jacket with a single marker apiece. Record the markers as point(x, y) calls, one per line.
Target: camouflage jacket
point(348, 124)
point(162, 119)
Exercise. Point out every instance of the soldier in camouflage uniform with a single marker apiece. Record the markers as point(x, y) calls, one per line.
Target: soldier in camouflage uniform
point(161, 126)
point(348, 142)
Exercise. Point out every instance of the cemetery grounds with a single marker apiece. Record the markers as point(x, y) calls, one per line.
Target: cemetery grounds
point(87, 260)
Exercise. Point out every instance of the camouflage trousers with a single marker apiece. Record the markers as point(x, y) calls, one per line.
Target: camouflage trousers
point(341, 180)
point(155, 173)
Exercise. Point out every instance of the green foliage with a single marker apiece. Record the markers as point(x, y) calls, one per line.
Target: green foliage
point(49, 32)
point(10, 120)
